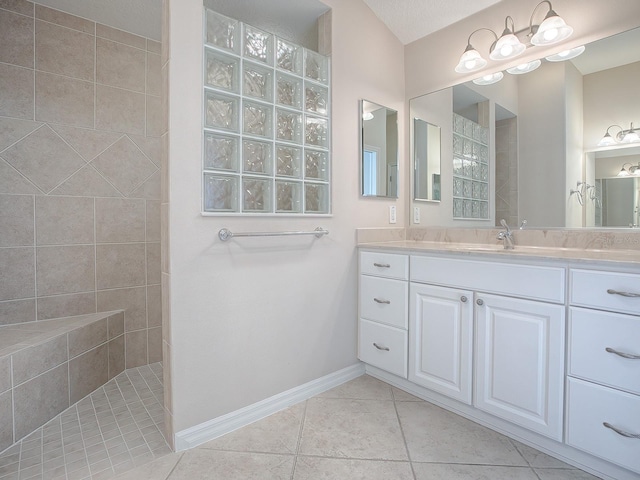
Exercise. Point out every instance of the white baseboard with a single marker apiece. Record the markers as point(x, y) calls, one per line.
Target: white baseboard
point(211, 429)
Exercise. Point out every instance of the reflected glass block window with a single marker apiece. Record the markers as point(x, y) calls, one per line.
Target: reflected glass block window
point(267, 124)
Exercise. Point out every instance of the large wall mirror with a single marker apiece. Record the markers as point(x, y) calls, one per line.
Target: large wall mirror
point(426, 161)
point(378, 150)
point(543, 129)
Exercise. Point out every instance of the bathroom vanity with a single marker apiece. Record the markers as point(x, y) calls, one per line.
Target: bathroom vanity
point(537, 344)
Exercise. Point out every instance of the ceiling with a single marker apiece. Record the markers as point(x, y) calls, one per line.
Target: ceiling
point(410, 20)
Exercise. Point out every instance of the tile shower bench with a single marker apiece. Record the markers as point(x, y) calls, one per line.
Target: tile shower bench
point(46, 366)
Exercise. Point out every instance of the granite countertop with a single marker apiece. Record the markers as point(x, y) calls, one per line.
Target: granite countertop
point(628, 257)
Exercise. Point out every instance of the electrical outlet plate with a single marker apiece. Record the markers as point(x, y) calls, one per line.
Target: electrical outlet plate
point(416, 215)
point(392, 214)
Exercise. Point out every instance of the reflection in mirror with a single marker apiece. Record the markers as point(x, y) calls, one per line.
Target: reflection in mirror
point(556, 113)
point(379, 150)
point(612, 197)
point(426, 161)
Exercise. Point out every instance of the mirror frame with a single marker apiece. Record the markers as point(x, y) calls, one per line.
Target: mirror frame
point(362, 149)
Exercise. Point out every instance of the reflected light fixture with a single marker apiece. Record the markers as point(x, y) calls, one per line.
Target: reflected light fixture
point(623, 136)
point(489, 79)
point(566, 54)
point(552, 30)
point(367, 116)
point(632, 170)
point(524, 67)
point(508, 45)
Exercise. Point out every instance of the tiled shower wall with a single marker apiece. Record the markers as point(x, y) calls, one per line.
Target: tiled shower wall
point(80, 151)
point(507, 171)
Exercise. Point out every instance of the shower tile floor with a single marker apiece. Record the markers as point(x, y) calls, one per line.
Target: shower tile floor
point(114, 429)
point(364, 429)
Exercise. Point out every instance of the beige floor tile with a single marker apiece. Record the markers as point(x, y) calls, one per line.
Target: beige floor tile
point(313, 468)
point(436, 471)
point(435, 435)
point(202, 464)
point(278, 433)
point(157, 470)
point(347, 428)
point(361, 388)
point(563, 474)
point(402, 396)
point(538, 459)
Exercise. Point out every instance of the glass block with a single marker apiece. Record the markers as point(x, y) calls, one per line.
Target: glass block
point(221, 111)
point(220, 193)
point(476, 190)
point(223, 32)
point(288, 197)
point(316, 164)
point(477, 132)
point(467, 169)
point(288, 126)
point(457, 187)
point(484, 136)
point(475, 209)
point(475, 170)
point(288, 91)
point(467, 148)
point(288, 57)
point(457, 208)
point(258, 45)
point(458, 124)
point(316, 66)
point(483, 153)
point(256, 195)
point(257, 119)
point(256, 157)
point(484, 210)
point(484, 191)
point(258, 82)
point(457, 145)
point(484, 172)
point(457, 166)
point(316, 132)
point(467, 209)
point(316, 198)
point(288, 160)
point(221, 152)
point(466, 188)
point(222, 71)
point(468, 128)
point(316, 99)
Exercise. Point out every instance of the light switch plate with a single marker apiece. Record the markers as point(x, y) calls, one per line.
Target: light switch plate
point(392, 214)
point(416, 215)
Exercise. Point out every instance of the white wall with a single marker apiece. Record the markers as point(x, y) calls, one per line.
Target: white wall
point(255, 317)
point(574, 156)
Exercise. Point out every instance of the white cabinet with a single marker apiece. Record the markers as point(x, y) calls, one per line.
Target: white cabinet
point(383, 311)
point(520, 362)
point(441, 340)
point(603, 387)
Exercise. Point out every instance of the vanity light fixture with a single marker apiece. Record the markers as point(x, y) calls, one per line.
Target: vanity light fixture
point(489, 79)
point(367, 116)
point(524, 67)
point(632, 170)
point(552, 30)
point(623, 136)
point(566, 54)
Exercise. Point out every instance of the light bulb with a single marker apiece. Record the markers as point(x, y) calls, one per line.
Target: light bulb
point(489, 79)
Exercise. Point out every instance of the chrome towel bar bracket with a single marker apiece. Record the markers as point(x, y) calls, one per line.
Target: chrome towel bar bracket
point(225, 234)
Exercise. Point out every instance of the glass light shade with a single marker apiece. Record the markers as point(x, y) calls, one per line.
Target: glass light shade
point(470, 61)
point(508, 46)
point(607, 141)
point(367, 116)
point(489, 79)
point(552, 30)
point(623, 173)
point(524, 68)
point(631, 137)
point(566, 54)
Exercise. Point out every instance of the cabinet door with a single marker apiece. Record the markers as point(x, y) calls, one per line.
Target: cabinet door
point(520, 362)
point(441, 340)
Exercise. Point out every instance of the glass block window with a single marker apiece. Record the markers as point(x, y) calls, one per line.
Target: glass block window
point(266, 123)
point(470, 169)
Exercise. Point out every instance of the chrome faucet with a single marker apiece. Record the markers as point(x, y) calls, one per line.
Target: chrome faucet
point(506, 236)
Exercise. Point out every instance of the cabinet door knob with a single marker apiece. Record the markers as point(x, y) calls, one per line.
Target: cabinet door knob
point(386, 349)
point(382, 265)
point(386, 302)
point(463, 299)
point(630, 356)
point(623, 294)
point(621, 432)
point(480, 301)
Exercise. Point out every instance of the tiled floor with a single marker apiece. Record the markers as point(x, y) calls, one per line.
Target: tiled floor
point(364, 429)
point(113, 430)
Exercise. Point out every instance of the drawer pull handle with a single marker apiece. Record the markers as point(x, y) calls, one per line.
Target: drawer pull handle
point(382, 265)
point(623, 294)
point(622, 354)
point(621, 432)
point(386, 349)
point(386, 302)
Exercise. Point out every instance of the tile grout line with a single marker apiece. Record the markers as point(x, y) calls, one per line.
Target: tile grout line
point(299, 442)
point(404, 438)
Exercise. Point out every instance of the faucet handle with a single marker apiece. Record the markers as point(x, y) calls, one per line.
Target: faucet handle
point(503, 222)
point(523, 224)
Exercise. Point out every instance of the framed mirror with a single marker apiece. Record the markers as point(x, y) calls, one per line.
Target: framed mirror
point(378, 150)
point(426, 161)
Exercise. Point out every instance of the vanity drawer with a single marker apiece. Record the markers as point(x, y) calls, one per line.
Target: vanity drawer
point(384, 300)
point(383, 347)
point(390, 265)
point(591, 332)
point(596, 289)
point(591, 405)
point(523, 281)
